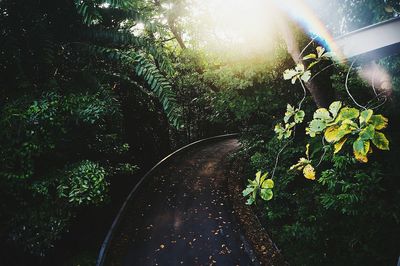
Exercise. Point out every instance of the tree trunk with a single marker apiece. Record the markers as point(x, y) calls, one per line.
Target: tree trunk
point(171, 24)
point(320, 88)
point(176, 33)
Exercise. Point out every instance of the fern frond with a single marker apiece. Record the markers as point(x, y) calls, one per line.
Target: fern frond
point(125, 38)
point(145, 69)
point(119, 14)
point(94, 10)
point(88, 9)
point(119, 3)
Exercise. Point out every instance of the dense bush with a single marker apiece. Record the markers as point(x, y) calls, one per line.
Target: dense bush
point(85, 184)
point(46, 142)
point(76, 91)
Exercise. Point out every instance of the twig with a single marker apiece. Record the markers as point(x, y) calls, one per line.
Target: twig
point(319, 72)
point(304, 94)
point(279, 153)
point(347, 87)
point(304, 49)
point(323, 154)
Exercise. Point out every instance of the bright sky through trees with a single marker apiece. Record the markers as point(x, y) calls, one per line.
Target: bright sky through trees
point(243, 24)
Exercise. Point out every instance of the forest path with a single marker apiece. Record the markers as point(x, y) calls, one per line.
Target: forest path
point(181, 216)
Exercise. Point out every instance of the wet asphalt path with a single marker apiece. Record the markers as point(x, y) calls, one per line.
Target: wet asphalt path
point(181, 216)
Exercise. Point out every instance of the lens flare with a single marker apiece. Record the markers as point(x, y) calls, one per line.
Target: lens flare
point(302, 13)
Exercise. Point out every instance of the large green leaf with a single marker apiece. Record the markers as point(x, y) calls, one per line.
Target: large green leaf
point(361, 146)
point(367, 133)
point(380, 141)
point(365, 116)
point(317, 125)
point(379, 121)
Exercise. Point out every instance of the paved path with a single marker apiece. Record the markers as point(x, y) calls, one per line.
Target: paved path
point(180, 215)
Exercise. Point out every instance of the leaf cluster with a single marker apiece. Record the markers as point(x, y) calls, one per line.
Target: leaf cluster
point(292, 117)
point(339, 124)
point(259, 186)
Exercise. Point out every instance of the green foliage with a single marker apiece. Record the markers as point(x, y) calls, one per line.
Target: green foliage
point(352, 195)
point(259, 186)
point(300, 72)
point(338, 124)
point(140, 53)
point(45, 143)
point(84, 184)
point(285, 131)
point(151, 75)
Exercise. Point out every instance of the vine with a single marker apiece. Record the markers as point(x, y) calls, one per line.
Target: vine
point(337, 125)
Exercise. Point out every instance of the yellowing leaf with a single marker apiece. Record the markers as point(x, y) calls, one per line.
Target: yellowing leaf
point(338, 146)
point(263, 177)
point(360, 157)
point(332, 134)
point(310, 56)
point(269, 183)
point(320, 50)
point(258, 175)
point(380, 141)
point(361, 146)
point(367, 133)
point(299, 116)
point(379, 121)
point(309, 172)
point(316, 126)
point(301, 163)
point(349, 124)
point(347, 113)
point(308, 151)
point(360, 149)
point(345, 129)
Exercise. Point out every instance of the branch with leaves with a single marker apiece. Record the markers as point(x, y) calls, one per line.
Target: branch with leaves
point(337, 125)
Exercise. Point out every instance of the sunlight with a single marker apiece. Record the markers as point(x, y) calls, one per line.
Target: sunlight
point(247, 25)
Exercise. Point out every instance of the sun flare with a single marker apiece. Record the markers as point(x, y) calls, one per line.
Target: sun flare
point(247, 25)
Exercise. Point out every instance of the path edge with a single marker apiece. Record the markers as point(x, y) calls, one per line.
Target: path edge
point(105, 245)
